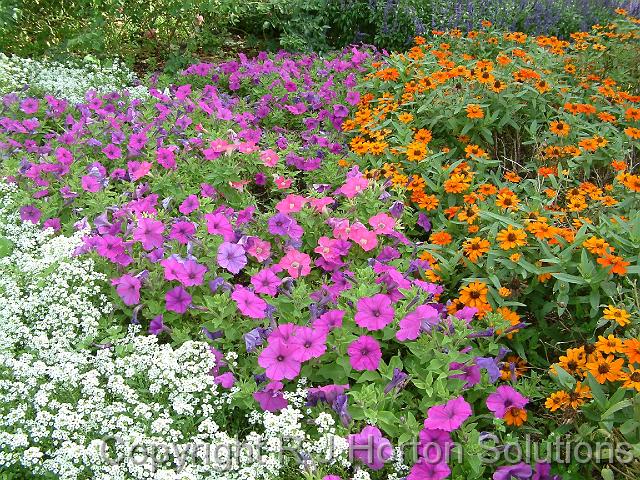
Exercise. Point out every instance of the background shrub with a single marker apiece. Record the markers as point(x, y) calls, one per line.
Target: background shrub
point(172, 32)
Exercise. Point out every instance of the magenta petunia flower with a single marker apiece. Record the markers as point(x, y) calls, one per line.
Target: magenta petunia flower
point(370, 447)
point(189, 204)
point(421, 319)
point(149, 233)
point(110, 246)
point(112, 151)
point(504, 398)
point(157, 326)
point(218, 224)
point(427, 470)
point(128, 287)
point(266, 282)
point(29, 106)
point(448, 416)
point(470, 373)
point(271, 398)
point(137, 170)
point(166, 158)
point(52, 223)
point(519, 471)
point(231, 256)
point(374, 313)
point(177, 300)
point(329, 320)
point(89, 183)
point(225, 380)
point(352, 98)
point(312, 343)
point(364, 353)
point(279, 359)
point(249, 303)
point(192, 273)
point(182, 232)
point(279, 224)
point(434, 445)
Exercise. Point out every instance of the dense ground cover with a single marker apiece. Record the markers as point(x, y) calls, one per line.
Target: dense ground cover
point(335, 256)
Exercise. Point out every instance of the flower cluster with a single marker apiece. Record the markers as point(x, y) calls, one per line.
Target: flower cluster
point(521, 151)
point(65, 81)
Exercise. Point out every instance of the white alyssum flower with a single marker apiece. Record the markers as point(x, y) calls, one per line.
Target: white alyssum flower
point(67, 81)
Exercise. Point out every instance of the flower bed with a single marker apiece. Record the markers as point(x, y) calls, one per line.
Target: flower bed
point(210, 266)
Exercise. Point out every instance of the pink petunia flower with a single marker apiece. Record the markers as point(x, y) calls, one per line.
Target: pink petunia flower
point(291, 203)
point(364, 353)
point(448, 416)
point(128, 287)
point(296, 263)
point(353, 186)
point(382, 223)
point(218, 224)
point(374, 313)
point(311, 343)
point(370, 447)
point(328, 248)
point(363, 237)
point(269, 158)
point(149, 233)
point(249, 303)
point(259, 249)
point(279, 360)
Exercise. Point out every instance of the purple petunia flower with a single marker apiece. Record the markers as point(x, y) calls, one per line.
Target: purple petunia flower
point(30, 213)
point(231, 256)
point(177, 300)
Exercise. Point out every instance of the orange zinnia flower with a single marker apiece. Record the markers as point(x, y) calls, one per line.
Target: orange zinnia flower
point(616, 264)
point(511, 238)
point(474, 111)
point(474, 294)
point(440, 238)
point(619, 315)
point(559, 128)
point(605, 369)
point(631, 349)
point(475, 247)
